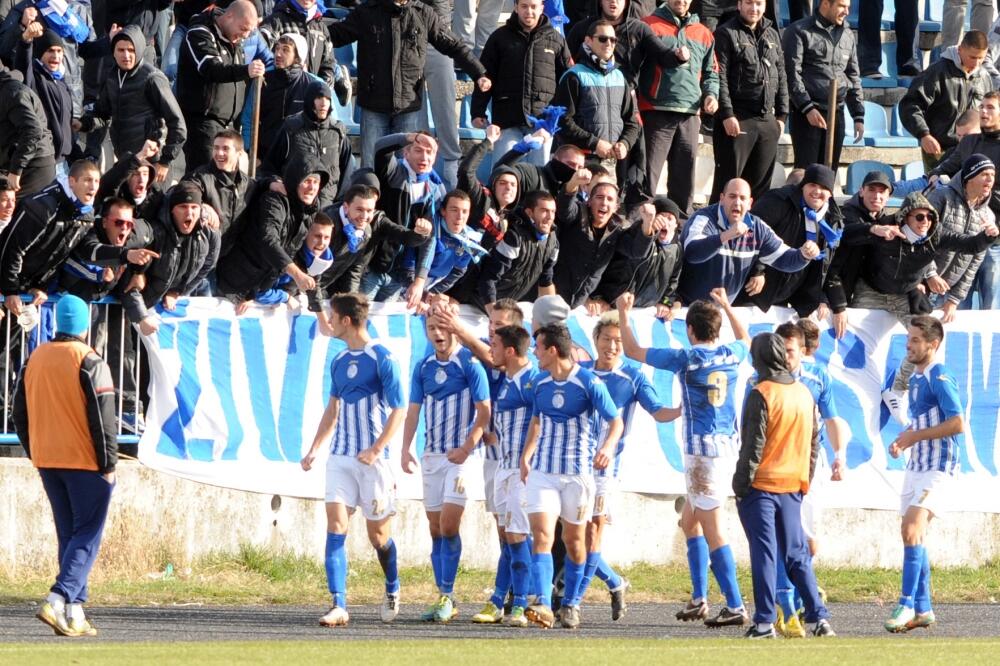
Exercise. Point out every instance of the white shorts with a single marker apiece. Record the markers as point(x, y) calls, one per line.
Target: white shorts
point(490, 470)
point(511, 502)
point(444, 481)
point(571, 497)
point(604, 486)
point(709, 480)
point(354, 484)
point(927, 490)
point(812, 502)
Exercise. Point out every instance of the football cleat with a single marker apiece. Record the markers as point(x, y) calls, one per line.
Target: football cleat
point(896, 402)
point(727, 618)
point(490, 614)
point(389, 609)
point(922, 621)
point(754, 633)
point(541, 615)
point(335, 617)
point(618, 605)
point(793, 628)
point(900, 618)
point(517, 618)
point(569, 617)
point(693, 611)
point(823, 630)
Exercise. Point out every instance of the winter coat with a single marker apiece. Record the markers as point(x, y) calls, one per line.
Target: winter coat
point(139, 13)
point(55, 97)
point(939, 96)
point(679, 89)
point(599, 105)
point(229, 194)
point(25, 139)
point(524, 67)
point(212, 74)
point(485, 213)
point(816, 53)
point(985, 143)
point(135, 104)
point(281, 97)
point(752, 80)
point(83, 272)
point(114, 183)
point(45, 229)
point(848, 261)
point(645, 268)
point(392, 50)
point(957, 217)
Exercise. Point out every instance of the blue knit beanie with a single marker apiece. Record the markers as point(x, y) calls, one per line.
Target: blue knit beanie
point(72, 315)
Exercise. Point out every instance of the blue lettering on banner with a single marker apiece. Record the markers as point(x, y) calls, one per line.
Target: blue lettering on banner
point(219, 338)
point(172, 441)
point(663, 382)
point(852, 353)
point(888, 427)
point(985, 400)
point(956, 360)
point(252, 338)
point(418, 351)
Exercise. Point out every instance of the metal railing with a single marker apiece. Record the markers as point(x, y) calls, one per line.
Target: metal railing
point(106, 317)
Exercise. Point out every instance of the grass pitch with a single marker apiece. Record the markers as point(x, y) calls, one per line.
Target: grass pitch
point(556, 651)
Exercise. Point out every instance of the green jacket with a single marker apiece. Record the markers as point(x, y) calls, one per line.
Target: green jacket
point(682, 88)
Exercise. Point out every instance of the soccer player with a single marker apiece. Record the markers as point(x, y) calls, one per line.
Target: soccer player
point(628, 387)
point(363, 415)
point(708, 372)
point(504, 312)
point(512, 411)
point(450, 385)
point(936, 421)
point(558, 465)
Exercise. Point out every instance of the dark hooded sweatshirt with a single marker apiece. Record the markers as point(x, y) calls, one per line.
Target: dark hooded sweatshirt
point(486, 214)
point(780, 426)
point(136, 104)
point(275, 231)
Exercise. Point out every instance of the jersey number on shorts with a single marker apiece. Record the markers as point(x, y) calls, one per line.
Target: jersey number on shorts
point(460, 486)
point(377, 507)
point(717, 385)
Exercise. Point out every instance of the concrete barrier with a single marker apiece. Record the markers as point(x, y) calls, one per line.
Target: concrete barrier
point(156, 518)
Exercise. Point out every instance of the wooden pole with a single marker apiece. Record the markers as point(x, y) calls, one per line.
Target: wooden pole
point(831, 123)
point(258, 84)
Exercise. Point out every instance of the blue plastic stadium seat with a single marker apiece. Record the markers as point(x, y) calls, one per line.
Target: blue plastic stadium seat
point(909, 141)
point(913, 170)
point(933, 15)
point(346, 114)
point(857, 171)
point(465, 128)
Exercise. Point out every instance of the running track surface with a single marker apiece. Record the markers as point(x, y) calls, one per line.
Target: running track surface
point(646, 620)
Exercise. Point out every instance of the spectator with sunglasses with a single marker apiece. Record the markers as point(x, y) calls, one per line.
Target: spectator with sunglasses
point(600, 110)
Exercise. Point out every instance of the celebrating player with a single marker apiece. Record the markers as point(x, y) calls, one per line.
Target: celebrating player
point(450, 386)
point(558, 467)
point(628, 386)
point(936, 421)
point(363, 414)
point(708, 373)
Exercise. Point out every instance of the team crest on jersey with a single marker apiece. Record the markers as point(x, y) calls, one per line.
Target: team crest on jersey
point(440, 376)
point(352, 370)
point(558, 400)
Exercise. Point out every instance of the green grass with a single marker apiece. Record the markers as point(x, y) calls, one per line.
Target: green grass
point(520, 651)
point(255, 575)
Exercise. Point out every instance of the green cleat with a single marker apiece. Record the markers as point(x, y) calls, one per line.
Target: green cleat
point(900, 619)
point(517, 618)
point(444, 609)
point(922, 621)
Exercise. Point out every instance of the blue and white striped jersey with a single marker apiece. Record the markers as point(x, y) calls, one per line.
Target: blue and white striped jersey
point(934, 399)
point(448, 391)
point(367, 383)
point(496, 379)
point(628, 387)
point(566, 411)
point(708, 375)
point(512, 411)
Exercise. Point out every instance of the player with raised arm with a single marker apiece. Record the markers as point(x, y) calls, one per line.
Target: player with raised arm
point(362, 416)
point(557, 465)
point(708, 372)
point(450, 386)
point(628, 387)
point(937, 418)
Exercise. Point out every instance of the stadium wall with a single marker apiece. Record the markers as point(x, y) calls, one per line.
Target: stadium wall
point(155, 513)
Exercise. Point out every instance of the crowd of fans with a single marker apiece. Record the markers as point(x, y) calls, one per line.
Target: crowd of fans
point(579, 130)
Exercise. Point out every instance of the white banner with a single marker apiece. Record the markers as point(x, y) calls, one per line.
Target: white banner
point(235, 402)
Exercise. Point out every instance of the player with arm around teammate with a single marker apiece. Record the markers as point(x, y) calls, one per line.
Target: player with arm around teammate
point(708, 372)
point(628, 387)
point(450, 386)
point(363, 414)
point(557, 466)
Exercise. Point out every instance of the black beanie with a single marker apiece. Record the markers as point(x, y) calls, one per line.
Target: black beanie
point(47, 40)
point(821, 175)
point(185, 193)
point(974, 165)
point(665, 205)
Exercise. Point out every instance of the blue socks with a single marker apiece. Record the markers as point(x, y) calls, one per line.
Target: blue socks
point(784, 590)
point(697, 551)
point(573, 577)
point(387, 560)
point(437, 549)
point(451, 555)
point(913, 562)
point(608, 575)
point(724, 568)
point(520, 572)
point(542, 570)
point(502, 582)
point(336, 568)
point(922, 600)
point(590, 568)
